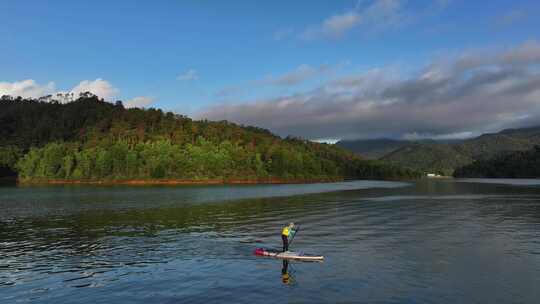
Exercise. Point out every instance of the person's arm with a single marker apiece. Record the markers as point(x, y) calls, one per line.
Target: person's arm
point(296, 228)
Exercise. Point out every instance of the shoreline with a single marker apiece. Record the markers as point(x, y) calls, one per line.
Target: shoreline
point(178, 182)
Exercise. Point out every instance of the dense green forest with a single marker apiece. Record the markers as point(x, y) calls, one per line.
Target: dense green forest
point(93, 140)
point(520, 164)
point(430, 158)
point(445, 157)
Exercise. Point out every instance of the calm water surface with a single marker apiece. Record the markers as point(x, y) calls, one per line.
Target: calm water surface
point(440, 241)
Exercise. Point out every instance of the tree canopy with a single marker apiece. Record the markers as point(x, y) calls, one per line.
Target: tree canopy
point(90, 139)
point(519, 164)
point(445, 157)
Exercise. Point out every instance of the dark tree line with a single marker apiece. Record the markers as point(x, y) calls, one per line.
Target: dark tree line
point(520, 164)
point(89, 139)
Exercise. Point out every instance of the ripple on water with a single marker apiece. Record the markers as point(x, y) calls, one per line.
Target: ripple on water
point(404, 245)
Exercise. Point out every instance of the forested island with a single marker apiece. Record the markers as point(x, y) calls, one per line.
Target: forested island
point(519, 164)
point(91, 140)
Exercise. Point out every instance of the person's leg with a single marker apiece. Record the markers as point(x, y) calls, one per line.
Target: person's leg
point(285, 240)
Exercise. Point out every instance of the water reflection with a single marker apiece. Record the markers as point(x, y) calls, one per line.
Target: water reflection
point(286, 277)
point(435, 241)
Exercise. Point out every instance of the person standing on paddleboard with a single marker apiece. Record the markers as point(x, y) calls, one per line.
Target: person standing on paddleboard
point(286, 233)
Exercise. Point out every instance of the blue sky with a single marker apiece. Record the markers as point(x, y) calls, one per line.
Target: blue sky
point(215, 58)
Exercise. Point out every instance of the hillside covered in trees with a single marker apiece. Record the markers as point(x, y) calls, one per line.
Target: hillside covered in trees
point(379, 147)
point(444, 158)
point(373, 148)
point(520, 164)
point(93, 140)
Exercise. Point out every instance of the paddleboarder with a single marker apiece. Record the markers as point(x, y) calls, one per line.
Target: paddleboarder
point(286, 233)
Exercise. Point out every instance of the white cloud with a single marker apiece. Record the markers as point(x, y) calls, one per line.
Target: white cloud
point(376, 15)
point(448, 99)
point(298, 75)
point(371, 16)
point(189, 75)
point(382, 14)
point(337, 25)
point(28, 88)
point(327, 140)
point(527, 52)
point(333, 27)
point(99, 87)
point(139, 102)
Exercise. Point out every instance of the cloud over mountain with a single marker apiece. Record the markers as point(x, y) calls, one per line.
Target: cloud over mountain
point(473, 92)
point(99, 87)
point(26, 88)
point(29, 88)
point(139, 102)
point(189, 75)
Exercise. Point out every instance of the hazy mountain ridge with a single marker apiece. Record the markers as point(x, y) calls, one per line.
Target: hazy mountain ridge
point(444, 158)
point(379, 147)
point(373, 148)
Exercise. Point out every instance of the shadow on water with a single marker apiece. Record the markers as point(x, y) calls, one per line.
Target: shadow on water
point(8, 181)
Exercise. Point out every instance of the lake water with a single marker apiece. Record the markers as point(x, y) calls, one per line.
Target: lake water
point(432, 241)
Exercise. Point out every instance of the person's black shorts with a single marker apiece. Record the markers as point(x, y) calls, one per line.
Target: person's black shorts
point(285, 240)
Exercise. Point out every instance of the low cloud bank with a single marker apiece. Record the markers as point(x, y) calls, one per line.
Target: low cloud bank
point(475, 92)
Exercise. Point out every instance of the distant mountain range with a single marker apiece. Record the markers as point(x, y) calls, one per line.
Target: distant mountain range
point(377, 148)
point(444, 157)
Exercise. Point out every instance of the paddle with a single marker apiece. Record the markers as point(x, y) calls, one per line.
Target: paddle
point(295, 233)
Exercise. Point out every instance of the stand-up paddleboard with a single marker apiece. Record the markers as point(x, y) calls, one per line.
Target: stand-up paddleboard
point(288, 255)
